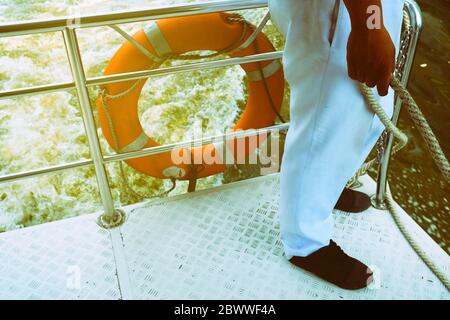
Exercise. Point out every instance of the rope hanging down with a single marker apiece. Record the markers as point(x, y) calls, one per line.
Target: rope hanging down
point(435, 150)
point(433, 146)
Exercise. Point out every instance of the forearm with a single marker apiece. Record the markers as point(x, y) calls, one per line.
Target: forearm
point(359, 12)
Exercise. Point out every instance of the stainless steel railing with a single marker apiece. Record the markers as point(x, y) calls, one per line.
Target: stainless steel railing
point(81, 83)
point(406, 58)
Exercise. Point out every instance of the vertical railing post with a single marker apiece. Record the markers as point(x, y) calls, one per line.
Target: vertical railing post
point(73, 52)
point(378, 200)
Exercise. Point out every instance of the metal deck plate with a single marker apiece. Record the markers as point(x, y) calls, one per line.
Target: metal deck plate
point(221, 243)
point(69, 259)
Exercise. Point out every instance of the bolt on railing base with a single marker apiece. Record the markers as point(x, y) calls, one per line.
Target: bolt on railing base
point(377, 203)
point(108, 221)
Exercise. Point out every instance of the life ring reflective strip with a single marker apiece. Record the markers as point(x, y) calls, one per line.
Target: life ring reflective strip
point(175, 36)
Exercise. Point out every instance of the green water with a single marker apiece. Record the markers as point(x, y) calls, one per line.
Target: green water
point(45, 130)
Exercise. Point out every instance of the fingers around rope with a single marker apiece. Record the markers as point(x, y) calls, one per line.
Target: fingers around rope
point(351, 71)
point(371, 83)
point(384, 76)
point(383, 86)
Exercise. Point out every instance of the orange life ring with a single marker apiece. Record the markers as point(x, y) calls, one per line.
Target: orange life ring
point(174, 36)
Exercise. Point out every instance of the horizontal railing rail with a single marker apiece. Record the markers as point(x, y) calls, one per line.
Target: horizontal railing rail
point(120, 77)
point(68, 27)
point(124, 17)
point(145, 152)
point(196, 142)
point(43, 171)
point(45, 88)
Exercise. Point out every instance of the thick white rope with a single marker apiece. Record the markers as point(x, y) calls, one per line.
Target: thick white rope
point(442, 275)
point(390, 127)
point(435, 150)
point(424, 128)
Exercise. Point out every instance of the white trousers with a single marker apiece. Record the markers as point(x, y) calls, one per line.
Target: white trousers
point(332, 129)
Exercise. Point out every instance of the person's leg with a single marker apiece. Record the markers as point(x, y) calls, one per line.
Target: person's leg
point(332, 129)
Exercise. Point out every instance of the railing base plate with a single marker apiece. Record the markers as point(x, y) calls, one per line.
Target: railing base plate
point(115, 220)
point(380, 205)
